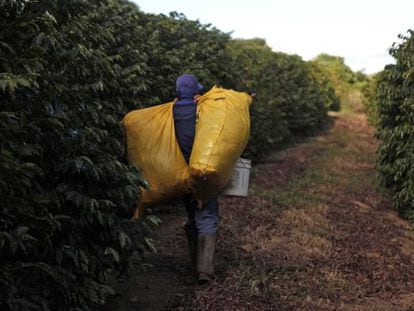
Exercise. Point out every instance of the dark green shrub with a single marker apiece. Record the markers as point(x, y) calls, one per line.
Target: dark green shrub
point(177, 45)
point(289, 101)
point(64, 181)
point(369, 99)
point(326, 85)
point(395, 125)
point(333, 74)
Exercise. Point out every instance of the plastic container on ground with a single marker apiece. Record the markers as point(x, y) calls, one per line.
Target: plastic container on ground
point(239, 182)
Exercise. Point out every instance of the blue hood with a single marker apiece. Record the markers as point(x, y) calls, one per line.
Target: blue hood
point(187, 86)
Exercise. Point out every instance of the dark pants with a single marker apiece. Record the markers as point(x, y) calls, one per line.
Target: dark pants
point(201, 220)
point(204, 220)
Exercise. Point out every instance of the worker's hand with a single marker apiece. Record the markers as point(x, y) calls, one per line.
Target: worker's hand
point(196, 97)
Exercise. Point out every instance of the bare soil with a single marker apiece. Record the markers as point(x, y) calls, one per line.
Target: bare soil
point(315, 233)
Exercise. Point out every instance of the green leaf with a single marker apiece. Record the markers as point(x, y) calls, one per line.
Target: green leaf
point(23, 82)
point(150, 244)
point(156, 221)
point(113, 253)
point(123, 239)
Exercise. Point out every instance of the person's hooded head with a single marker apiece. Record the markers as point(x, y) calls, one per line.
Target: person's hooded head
point(187, 86)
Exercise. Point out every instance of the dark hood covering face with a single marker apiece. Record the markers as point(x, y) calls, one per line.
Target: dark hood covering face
point(187, 86)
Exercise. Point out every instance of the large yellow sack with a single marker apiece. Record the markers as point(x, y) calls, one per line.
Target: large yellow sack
point(153, 147)
point(222, 132)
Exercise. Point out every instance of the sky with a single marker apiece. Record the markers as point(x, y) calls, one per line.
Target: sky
point(360, 31)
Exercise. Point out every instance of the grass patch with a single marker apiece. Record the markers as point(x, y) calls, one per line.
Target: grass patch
point(290, 197)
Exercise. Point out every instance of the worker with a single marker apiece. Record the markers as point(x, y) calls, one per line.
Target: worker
point(202, 221)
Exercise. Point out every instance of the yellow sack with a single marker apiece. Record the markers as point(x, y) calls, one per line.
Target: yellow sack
point(153, 147)
point(222, 132)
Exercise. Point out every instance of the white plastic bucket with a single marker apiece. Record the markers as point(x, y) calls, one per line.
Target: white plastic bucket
point(239, 181)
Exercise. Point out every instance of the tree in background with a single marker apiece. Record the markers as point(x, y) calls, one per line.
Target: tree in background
point(332, 71)
point(326, 84)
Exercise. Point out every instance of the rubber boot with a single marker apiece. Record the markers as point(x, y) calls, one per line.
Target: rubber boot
point(192, 245)
point(205, 258)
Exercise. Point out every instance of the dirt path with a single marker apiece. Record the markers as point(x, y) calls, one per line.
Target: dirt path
point(314, 234)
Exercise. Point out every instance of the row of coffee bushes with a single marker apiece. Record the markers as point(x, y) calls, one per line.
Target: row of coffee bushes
point(369, 99)
point(290, 100)
point(69, 71)
point(395, 106)
point(66, 73)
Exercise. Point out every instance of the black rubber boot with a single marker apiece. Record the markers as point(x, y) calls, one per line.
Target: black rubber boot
point(205, 258)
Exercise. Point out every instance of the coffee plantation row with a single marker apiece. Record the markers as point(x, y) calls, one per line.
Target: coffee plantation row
point(395, 118)
point(69, 71)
